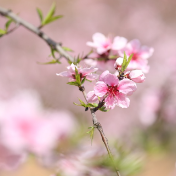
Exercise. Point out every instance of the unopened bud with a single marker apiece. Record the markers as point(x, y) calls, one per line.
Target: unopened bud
point(137, 76)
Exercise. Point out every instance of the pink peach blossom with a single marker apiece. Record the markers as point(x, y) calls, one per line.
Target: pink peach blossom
point(26, 128)
point(119, 43)
point(150, 104)
point(101, 64)
point(84, 73)
point(140, 55)
point(101, 43)
point(137, 76)
point(114, 90)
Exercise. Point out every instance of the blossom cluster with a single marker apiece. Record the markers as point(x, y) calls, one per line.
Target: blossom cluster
point(106, 50)
point(112, 89)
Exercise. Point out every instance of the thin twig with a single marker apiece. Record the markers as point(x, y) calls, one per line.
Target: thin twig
point(100, 129)
point(38, 32)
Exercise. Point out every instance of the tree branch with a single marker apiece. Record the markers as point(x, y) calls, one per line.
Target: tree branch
point(57, 46)
point(38, 32)
point(100, 129)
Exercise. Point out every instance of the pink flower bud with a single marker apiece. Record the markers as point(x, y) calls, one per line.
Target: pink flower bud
point(118, 62)
point(137, 76)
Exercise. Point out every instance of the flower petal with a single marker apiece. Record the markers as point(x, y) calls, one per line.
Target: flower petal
point(145, 52)
point(101, 50)
point(134, 45)
point(100, 89)
point(102, 76)
point(110, 102)
point(71, 68)
point(137, 76)
point(122, 101)
point(91, 97)
point(65, 74)
point(86, 71)
point(99, 38)
point(127, 87)
point(111, 80)
point(119, 43)
point(92, 77)
point(91, 44)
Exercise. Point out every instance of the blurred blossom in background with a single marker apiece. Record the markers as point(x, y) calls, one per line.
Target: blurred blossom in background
point(42, 132)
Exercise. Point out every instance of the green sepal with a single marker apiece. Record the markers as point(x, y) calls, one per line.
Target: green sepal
point(91, 133)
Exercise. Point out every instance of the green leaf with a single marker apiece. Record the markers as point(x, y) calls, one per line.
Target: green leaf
point(92, 105)
point(53, 52)
point(113, 57)
point(77, 104)
point(76, 71)
point(126, 62)
point(8, 24)
point(82, 103)
point(103, 109)
point(129, 59)
point(67, 49)
point(91, 133)
point(77, 76)
point(2, 32)
point(53, 19)
point(50, 14)
point(40, 14)
point(73, 83)
point(50, 62)
point(82, 82)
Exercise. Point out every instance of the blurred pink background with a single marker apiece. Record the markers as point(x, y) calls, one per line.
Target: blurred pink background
point(152, 22)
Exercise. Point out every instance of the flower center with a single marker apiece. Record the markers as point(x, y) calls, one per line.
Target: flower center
point(81, 76)
point(112, 90)
point(106, 45)
point(135, 56)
